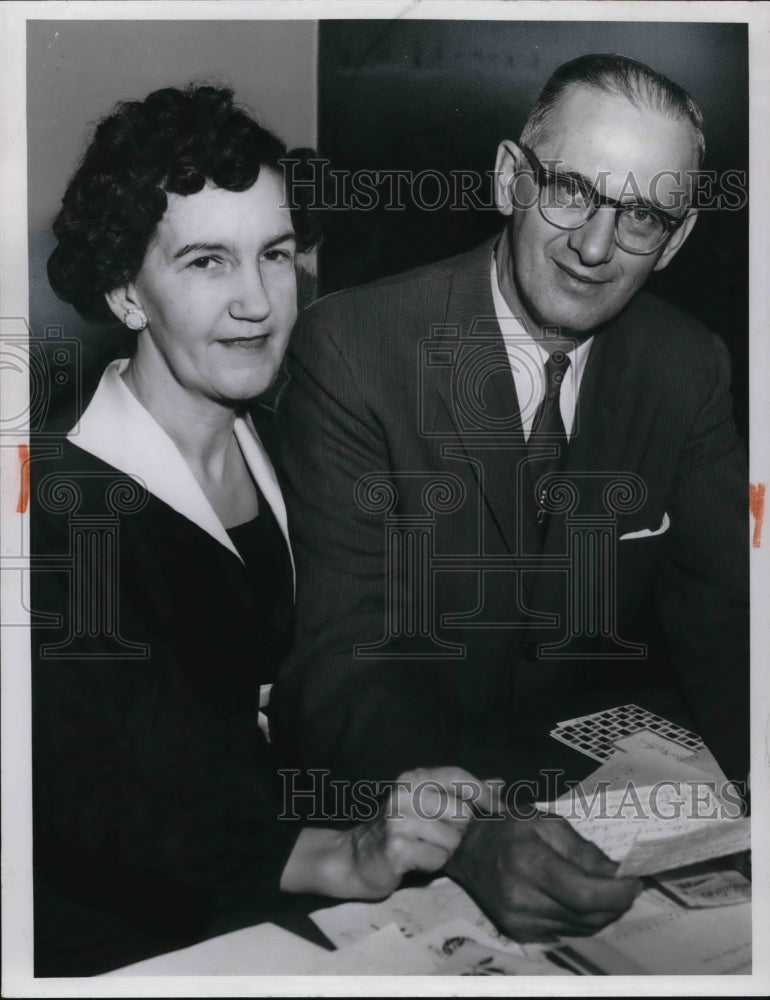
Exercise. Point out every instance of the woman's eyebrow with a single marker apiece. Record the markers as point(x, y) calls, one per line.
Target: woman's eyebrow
point(199, 248)
point(223, 248)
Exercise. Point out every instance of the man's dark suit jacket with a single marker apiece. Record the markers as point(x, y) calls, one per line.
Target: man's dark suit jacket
point(402, 449)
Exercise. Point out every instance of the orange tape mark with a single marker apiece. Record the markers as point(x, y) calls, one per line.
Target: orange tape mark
point(23, 503)
point(757, 508)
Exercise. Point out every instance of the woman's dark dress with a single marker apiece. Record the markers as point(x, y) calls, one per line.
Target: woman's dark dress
point(154, 791)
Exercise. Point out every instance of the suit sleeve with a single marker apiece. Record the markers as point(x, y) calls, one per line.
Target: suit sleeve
point(334, 707)
point(703, 593)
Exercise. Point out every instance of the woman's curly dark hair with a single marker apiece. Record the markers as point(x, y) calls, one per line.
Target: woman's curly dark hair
point(175, 141)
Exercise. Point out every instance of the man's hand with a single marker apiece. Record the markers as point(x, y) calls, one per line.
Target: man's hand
point(537, 878)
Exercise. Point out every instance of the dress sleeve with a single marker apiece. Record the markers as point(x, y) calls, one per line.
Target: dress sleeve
point(153, 788)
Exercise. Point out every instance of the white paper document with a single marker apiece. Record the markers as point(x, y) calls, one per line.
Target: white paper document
point(651, 810)
point(694, 887)
point(462, 949)
point(262, 950)
point(385, 953)
point(667, 939)
point(414, 911)
point(660, 853)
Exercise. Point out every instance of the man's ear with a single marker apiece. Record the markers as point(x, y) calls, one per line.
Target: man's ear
point(123, 301)
point(677, 241)
point(509, 160)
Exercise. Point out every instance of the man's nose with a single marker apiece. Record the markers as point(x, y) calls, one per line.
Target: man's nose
point(251, 300)
point(594, 242)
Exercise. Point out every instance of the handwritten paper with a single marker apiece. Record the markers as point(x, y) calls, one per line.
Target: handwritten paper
point(461, 949)
point(650, 809)
point(645, 767)
point(615, 819)
point(646, 740)
point(413, 911)
point(671, 940)
point(715, 839)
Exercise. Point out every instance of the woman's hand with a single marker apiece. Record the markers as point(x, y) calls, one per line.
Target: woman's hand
point(418, 827)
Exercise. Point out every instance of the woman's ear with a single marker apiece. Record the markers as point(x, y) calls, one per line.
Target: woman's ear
point(125, 307)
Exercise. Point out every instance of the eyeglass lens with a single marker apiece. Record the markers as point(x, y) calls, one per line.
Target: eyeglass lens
point(567, 204)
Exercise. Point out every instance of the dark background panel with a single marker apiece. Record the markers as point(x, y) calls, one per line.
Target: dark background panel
point(440, 95)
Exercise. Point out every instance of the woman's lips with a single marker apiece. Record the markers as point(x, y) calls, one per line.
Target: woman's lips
point(246, 342)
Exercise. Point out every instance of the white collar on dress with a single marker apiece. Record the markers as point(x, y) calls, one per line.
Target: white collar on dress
point(116, 428)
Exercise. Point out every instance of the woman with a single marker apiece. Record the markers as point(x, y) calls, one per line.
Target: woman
point(168, 565)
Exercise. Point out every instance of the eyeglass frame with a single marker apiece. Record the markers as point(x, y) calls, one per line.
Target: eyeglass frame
point(597, 200)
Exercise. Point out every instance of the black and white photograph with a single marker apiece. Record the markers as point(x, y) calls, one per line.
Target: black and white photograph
point(383, 434)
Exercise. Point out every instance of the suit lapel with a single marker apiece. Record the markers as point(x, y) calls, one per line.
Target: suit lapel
point(480, 400)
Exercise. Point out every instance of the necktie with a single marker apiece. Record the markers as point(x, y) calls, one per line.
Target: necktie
point(548, 427)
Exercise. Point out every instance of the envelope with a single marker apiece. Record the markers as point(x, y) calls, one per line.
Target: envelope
point(648, 532)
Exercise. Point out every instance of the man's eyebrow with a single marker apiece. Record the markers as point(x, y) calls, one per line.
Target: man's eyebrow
point(553, 165)
point(573, 174)
point(631, 202)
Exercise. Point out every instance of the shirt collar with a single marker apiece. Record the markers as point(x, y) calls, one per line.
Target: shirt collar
point(116, 428)
point(511, 327)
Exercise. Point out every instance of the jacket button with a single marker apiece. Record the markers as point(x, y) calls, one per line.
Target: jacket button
point(530, 650)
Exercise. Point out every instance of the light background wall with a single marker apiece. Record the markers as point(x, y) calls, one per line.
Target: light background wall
point(76, 72)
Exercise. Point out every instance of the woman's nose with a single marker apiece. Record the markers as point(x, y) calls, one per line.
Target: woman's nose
point(251, 301)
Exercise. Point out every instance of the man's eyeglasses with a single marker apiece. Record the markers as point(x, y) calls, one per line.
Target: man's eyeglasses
point(568, 203)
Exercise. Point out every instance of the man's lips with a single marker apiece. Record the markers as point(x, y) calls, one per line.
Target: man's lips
point(584, 279)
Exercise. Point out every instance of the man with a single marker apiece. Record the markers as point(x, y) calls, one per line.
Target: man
point(518, 495)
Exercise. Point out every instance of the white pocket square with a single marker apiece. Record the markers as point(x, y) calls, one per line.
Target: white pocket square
point(648, 532)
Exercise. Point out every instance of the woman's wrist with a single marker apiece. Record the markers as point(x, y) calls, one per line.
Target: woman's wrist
point(347, 864)
point(321, 862)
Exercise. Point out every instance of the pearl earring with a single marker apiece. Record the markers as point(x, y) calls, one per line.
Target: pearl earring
point(135, 319)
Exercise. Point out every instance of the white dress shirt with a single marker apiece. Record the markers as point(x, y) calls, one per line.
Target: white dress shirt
point(527, 360)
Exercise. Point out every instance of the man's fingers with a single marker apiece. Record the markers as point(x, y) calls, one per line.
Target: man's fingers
point(536, 927)
point(589, 859)
point(577, 891)
point(566, 841)
point(534, 906)
point(592, 860)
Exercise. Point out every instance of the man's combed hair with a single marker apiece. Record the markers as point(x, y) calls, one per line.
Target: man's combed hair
point(615, 74)
point(173, 141)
